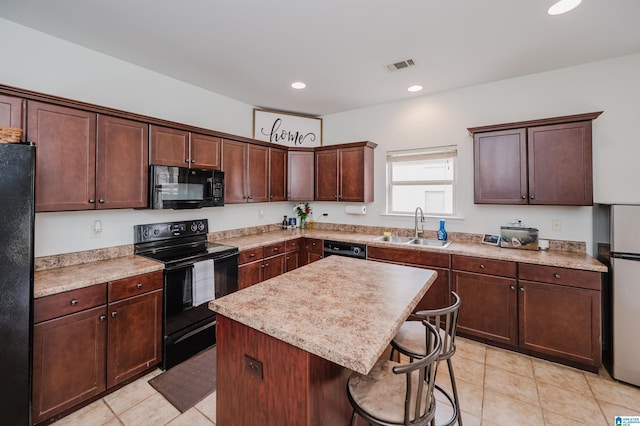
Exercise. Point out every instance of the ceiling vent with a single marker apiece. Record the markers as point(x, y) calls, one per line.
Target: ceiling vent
point(397, 66)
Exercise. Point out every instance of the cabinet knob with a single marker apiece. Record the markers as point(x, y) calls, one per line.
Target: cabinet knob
point(556, 276)
point(101, 200)
point(102, 318)
point(92, 200)
point(252, 255)
point(186, 160)
point(522, 289)
point(139, 286)
point(114, 314)
point(250, 197)
point(532, 197)
point(482, 266)
point(74, 302)
point(313, 244)
point(512, 287)
point(524, 197)
point(275, 248)
point(193, 161)
point(266, 265)
point(288, 258)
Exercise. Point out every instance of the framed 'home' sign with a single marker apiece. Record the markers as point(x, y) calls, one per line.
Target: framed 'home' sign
point(287, 129)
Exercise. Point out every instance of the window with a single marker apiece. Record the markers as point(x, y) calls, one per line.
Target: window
point(421, 178)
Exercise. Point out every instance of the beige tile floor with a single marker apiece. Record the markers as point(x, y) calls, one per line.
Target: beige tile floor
point(496, 387)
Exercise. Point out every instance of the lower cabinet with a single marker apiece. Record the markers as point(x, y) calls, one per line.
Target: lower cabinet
point(260, 264)
point(88, 340)
point(313, 250)
point(558, 315)
point(292, 254)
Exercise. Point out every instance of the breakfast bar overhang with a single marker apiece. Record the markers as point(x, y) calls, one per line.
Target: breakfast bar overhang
point(286, 346)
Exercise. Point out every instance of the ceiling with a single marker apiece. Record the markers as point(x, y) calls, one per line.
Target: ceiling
point(252, 50)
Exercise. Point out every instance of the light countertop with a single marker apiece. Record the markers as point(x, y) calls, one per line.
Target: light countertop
point(549, 258)
point(341, 309)
point(57, 280)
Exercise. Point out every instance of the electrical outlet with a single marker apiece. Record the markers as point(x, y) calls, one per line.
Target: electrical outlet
point(253, 366)
point(556, 224)
point(96, 229)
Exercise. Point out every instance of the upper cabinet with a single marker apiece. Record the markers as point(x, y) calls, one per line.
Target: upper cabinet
point(345, 172)
point(173, 147)
point(277, 174)
point(544, 162)
point(301, 174)
point(11, 111)
point(68, 177)
point(246, 168)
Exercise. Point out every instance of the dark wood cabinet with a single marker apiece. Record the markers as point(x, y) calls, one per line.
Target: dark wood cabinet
point(560, 302)
point(246, 168)
point(11, 109)
point(545, 162)
point(65, 157)
point(122, 168)
point(69, 350)
point(301, 175)
point(313, 250)
point(274, 266)
point(345, 172)
point(438, 295)
point(488, 288)
point(179, 148)
point(86, 161)
point(293, 249)
point(277, 174)
point(249, 274)
point(260, 264)
point(88, 340)
point(135, 326)
point(490, 306)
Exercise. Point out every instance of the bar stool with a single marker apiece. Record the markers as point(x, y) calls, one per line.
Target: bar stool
point(409, 341)
point(384, 397)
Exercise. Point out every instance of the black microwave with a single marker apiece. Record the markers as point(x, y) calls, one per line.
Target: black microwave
point(182, 188)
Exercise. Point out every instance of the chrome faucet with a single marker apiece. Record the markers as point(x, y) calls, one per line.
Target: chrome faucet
point(416, 219)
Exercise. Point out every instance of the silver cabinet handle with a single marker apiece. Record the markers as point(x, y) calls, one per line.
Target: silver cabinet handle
point(193, 161)
point(252, 255)
point(186, 160)
point(276, 248)
point(102, 318)
point(524, 197)
point(522, 289)
point(101, 200)
point(114, 314)
point(74, 302)
point(482, 266)
point(512, 287)
point(92, 200)
point(532, 197)
point(139, 286)
point(556, 276)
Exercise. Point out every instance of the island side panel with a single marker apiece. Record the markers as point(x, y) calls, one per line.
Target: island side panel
point(279, 398)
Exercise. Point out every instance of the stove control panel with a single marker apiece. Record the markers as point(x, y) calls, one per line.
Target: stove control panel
point(169, 230)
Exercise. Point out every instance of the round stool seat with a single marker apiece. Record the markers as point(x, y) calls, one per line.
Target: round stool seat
point(381, 393)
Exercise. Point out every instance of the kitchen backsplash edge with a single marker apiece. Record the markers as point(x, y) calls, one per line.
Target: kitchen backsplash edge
point(75, 258)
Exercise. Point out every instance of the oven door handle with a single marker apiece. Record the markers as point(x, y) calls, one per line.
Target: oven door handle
point(196, 331)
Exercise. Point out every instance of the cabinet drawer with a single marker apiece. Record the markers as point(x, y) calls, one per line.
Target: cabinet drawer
point(314, 244)
point(562, 276)
point(274, 249)
point(293, 244)
point(133, 286)
point(57, 305)
point(250, 255)
point(406, 256)
point(480, 265)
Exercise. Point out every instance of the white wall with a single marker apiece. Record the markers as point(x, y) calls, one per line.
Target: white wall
point(46, 64)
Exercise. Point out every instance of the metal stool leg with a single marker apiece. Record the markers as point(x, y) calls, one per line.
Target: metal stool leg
point(454, 388)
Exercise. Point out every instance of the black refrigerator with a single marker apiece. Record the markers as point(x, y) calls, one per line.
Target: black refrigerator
point(17, 165)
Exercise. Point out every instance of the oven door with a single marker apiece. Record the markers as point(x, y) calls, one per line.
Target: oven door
point(182, 188)
point(190, 329)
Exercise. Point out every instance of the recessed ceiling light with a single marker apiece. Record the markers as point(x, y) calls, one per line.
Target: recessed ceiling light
point(563, 6)
point(415, 88)
point(298, 85)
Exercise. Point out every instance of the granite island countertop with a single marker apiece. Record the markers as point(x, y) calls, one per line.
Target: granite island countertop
point(341, 309)
point(564, 259)
point(58, 280)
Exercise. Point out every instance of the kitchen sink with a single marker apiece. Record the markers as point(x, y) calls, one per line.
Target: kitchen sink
point(390, 239)
point(414, 241)
point(430, 243)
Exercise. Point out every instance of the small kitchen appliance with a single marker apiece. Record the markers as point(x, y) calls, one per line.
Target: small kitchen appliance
point(182, 188)
point(188, 323)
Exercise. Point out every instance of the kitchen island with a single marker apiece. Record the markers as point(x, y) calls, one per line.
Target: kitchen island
point(286, 346)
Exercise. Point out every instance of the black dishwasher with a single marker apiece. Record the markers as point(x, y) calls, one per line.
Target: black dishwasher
point(340, 248)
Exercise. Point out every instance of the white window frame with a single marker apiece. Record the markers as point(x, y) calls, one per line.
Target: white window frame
point(443, 152)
